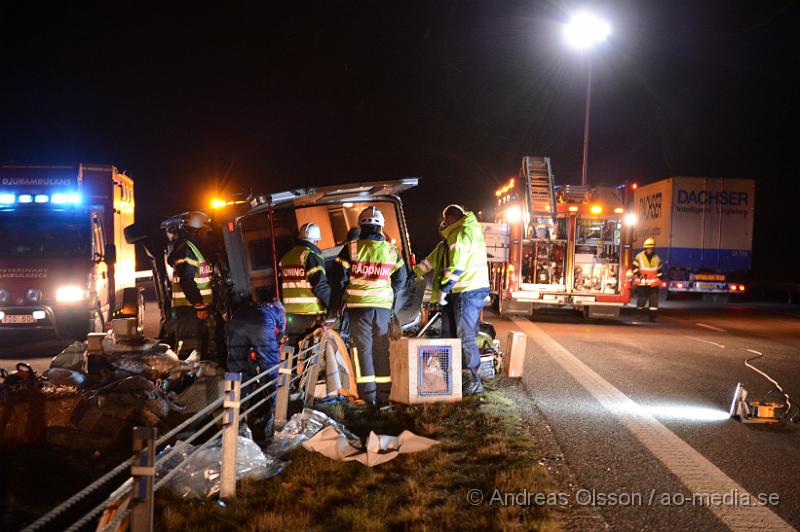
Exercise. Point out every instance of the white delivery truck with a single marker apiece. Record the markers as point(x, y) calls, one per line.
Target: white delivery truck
point(703, 228)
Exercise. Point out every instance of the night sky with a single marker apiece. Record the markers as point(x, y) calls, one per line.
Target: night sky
point(194, 101)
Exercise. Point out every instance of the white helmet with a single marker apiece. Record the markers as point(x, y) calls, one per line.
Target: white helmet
point(196, 220)
point(310, 232)
point(454, 207)
point(371, 216)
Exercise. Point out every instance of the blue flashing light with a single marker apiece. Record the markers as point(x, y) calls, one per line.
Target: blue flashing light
point(25, 198)
point(60, 199)
point(41, 198)
point(7, 199)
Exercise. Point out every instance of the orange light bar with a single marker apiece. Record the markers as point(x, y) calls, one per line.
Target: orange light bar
point(619, 210)
point(596, 209)
point(573, 208)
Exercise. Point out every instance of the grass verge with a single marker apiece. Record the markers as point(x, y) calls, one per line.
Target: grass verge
point(485, 446)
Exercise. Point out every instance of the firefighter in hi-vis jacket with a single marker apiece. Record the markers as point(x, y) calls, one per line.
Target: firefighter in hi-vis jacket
point(647, 272)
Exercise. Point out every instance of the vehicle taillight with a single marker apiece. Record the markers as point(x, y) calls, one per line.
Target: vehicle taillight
point(741, 288)
point(512, 277)
point(680, 285)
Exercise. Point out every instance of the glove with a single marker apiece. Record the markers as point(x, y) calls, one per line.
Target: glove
point(442, 299)
point(201, 311)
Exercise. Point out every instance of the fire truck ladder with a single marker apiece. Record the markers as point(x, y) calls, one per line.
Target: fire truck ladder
point(538, 178)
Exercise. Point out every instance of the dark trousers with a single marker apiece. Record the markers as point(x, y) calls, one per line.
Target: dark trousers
point(462, 314)
point(191, 333)
point(647, 296)
point(369, 334)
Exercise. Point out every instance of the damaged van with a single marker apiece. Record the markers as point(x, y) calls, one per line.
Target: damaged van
point(258, 230)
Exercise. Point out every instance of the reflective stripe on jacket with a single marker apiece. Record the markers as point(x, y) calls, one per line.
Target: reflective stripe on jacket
point(467, 267)
point(370, 268)
point(649, 269)
point(296, 289)
point(202, 277)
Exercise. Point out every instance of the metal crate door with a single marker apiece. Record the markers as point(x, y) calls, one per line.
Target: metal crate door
point(434, 370)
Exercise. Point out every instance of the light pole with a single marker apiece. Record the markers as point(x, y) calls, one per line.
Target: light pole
point(582, 32)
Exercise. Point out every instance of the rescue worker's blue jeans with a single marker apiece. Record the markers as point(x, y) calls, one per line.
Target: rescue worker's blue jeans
point(369, 334)
point(463, 312)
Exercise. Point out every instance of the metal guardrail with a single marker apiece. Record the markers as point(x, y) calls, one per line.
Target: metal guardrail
point(142, 465)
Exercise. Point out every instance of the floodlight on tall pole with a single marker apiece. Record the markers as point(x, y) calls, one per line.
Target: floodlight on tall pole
point(582, 32)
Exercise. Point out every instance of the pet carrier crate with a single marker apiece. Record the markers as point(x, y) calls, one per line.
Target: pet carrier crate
point(426, 370)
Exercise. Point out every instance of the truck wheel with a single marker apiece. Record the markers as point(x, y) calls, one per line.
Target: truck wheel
point(495, 305)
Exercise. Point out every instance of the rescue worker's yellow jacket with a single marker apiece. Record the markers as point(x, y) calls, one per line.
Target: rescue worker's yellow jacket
point(467, 268)
point(648, 270)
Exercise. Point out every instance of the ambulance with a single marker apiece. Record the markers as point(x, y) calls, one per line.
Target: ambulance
point(65, 268)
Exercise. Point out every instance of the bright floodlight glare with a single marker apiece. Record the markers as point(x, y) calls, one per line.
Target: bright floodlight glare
point(513, 214)
point(688, 413)
point(584, 30)
point(630, 218)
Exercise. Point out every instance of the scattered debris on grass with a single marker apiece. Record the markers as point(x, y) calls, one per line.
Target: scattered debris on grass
point(485, 445)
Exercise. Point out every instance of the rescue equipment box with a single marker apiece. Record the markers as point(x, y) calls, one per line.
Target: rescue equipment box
point(515, 349)
point(425, 370)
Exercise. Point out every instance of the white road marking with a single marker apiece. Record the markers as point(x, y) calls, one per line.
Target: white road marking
point(754, 352)
point(697, 473)
point(705, 341)
point(711, 327)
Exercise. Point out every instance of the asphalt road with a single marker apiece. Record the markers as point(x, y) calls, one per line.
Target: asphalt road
point(640, 411)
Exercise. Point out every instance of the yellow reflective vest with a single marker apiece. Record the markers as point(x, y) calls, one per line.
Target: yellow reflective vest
point(649, 269)
point(296, 289)
point(370, 268)
point(202, 278)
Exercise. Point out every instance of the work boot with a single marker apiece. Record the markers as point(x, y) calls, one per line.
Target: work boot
point(471, 385)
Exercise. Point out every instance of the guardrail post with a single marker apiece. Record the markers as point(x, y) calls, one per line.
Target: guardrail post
point(227, 473)
point(284, 381)
point(311, 377)
point(143, 473)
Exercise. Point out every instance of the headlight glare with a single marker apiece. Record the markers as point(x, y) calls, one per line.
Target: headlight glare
point(70, 294)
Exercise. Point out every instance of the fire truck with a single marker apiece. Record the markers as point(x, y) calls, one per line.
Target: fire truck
point(65, 268)
point(559, 246)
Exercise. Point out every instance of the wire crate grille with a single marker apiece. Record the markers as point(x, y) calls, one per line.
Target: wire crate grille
point(434, 367)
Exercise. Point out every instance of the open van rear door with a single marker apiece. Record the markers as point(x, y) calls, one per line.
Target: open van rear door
point(248, 237)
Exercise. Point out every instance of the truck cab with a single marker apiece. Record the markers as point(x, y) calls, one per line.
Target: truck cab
point(63, 266)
